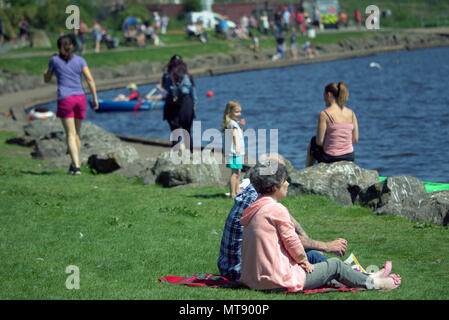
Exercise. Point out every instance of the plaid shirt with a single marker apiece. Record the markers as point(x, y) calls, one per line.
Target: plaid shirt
point(229, 259)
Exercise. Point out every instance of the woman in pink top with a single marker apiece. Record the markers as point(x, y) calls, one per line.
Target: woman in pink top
point(273, 256)
point(337, 129)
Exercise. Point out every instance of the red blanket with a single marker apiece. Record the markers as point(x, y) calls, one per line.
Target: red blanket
point(214, 281)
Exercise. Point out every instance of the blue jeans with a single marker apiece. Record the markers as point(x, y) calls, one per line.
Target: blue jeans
point(314, 256)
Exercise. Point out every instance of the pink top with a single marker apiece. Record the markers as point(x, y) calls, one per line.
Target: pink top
point(338, 139)
point(270, 248)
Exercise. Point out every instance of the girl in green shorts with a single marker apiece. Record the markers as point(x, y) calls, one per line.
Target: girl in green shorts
point(234, 143)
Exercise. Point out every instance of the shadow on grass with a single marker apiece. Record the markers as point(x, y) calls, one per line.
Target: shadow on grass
point(209, 196)
point(43, 173)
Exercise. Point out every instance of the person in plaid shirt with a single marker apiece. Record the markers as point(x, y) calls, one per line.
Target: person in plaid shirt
point(229, 258)
point(231, 242)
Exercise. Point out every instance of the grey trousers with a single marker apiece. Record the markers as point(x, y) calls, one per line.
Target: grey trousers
point(327, 272)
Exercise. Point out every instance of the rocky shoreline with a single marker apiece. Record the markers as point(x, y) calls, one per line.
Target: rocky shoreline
point(104, 152)
point(344, 182)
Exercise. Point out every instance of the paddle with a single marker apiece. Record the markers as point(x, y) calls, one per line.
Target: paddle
point(151, 92)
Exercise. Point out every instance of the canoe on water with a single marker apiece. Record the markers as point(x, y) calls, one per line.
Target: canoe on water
point(134, 105)
point(430, 186)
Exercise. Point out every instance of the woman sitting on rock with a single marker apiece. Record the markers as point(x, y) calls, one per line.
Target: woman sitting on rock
point(273, 256)
point(337, 129)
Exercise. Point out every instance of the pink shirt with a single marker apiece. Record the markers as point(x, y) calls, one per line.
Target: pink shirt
point(270, 248)
point(338, 139)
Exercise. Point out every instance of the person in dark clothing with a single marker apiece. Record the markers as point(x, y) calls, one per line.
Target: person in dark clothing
point(180, 100)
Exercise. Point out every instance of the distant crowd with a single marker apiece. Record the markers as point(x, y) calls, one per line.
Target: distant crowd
point(134, 32)
point(285, 24)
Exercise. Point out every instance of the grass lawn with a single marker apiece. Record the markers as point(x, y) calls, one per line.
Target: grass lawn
point(110, 58)
point(123, 236)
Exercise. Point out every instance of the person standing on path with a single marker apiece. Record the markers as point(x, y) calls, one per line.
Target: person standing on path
point(69, 68)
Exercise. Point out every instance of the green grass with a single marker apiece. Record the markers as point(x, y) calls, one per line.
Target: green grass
point(111, 58)
point(133, 234)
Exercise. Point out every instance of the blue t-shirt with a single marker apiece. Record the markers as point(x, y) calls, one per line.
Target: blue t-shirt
point(68, 74)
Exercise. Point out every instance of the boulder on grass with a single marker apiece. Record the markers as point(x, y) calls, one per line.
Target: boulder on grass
point(340, 181)
point(432, 207)
point(39, 39)
point(391, 192)
point(170, 173)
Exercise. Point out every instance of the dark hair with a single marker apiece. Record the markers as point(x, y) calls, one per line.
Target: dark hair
point(65, 46)
point(267, 174)
point(339, 91)
point(176, 69)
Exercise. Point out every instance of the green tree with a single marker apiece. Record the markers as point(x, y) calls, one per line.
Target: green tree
point(137, 11)
point(21, 3)
point(192, 5)
point(51, 15)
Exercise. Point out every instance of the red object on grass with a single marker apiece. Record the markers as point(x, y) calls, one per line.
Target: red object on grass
point(216, 281)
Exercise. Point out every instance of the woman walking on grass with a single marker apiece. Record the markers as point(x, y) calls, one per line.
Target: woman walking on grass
point(69, 68)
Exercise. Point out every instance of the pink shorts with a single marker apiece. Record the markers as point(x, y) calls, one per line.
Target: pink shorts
point(72, 107)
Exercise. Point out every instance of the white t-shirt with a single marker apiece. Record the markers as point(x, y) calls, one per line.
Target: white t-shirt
point(229, 141)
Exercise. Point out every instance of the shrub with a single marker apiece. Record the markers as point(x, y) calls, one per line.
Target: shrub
point(51, 16)
point(192, 5)
point(137, 11)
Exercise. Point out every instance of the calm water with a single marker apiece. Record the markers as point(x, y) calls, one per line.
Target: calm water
point(402, 109)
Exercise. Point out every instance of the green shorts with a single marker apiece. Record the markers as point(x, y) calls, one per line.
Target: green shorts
point(235, 162)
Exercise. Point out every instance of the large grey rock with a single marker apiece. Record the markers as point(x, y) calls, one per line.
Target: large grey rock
point(39, 39)
point(148, 177)
point(169, 173)
point(49, 128)
point(136, 169)
point(432, 207)
point(49, 148)
point(107, 152)
point(340, 181)
point(290, 168)
point(391, 193)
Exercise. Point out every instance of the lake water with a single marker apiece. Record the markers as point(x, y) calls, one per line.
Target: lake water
point(402, 109)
